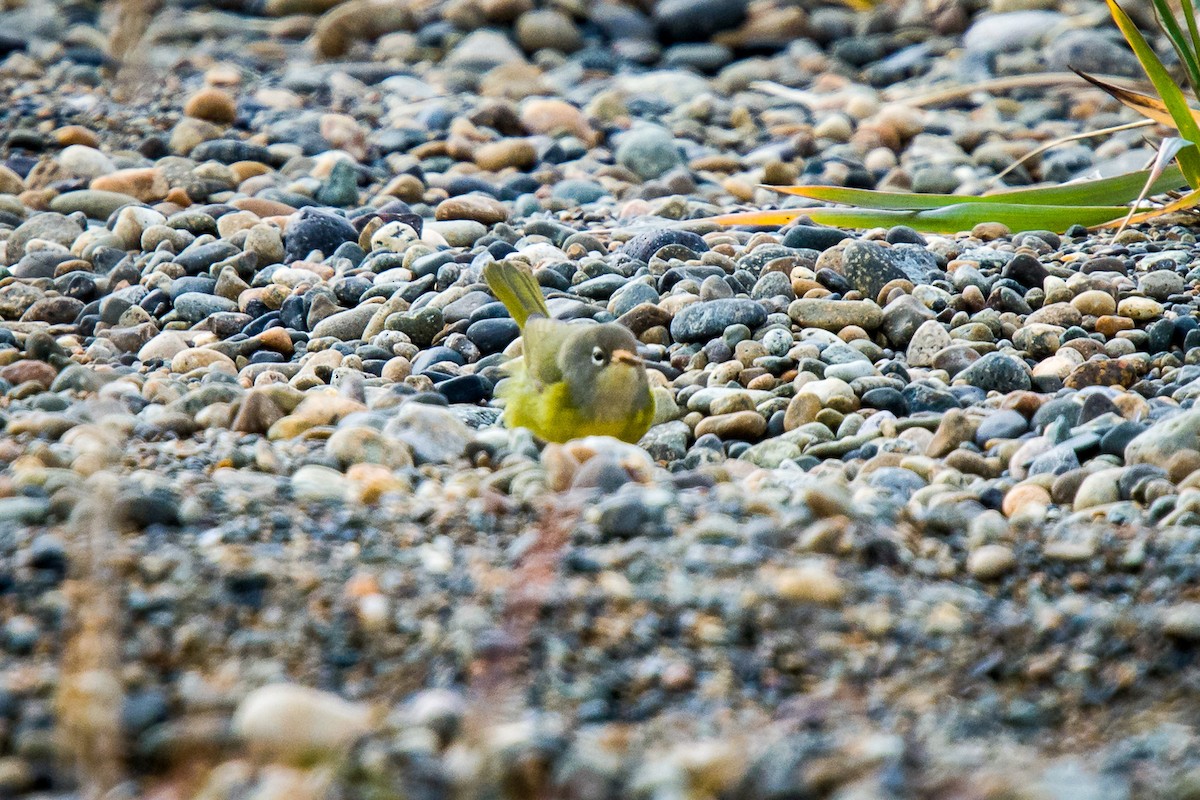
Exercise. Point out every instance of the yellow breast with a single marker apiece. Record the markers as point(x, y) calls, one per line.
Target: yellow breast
point(550, 413)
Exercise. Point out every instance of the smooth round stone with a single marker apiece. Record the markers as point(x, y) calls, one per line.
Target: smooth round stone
point(773, 284)
point(1098, 489)
point(630, 296)
point(294, 724)
point(493, 335)
point(84, 162)
point(697, 20)
point(1139, 309)
point(869, 266)
point(92, 203)
point(1064, 408)
point(459, 232)
point(833, 315)
point(991, 562)
point(850, 370)
point(648, 152)
point(1003, 424)
point(1055, 461)
point(700, 322)
point(465, 389)
point(59, 310)
point(475, 206)
point(420, 325)
point(601, 287)
point(428, 359)
point(132, 221)
point(316, 230)
point(1095, 303)
point(922, 398)
point(197, 357)
point(1161, 284)
point(196, 306)
point(212, 104)
point(885, 398)
point(813, 237)
point(1038, 339)
point(645, 245)
point(1025, 270)
point(48, 226)
point(346, 325)
point(341, 187)
point(997, 372)
point(579, 191)
point(743, 425)
point(929, 339)
point(39, 264)
point(194, 222)
point(903, 317)
point(1110, 372)
point(1182, 621)
point(230, 151)
point(1164, 439)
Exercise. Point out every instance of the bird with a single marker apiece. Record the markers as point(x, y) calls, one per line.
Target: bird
point(573, 379)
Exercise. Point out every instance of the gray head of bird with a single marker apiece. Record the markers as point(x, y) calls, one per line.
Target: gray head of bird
point(601, 366)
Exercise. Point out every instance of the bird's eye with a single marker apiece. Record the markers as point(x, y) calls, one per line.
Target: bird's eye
point(597, 356)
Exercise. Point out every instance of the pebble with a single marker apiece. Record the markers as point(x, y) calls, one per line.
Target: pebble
point(212, 105)
point(477, 208)
point(706, 320)
point(294, 724)
point(316, 230)
point(834, 315)
point(649, 152)
point(991, 562)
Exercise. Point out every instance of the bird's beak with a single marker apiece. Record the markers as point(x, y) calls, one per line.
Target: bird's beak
point(626, 357)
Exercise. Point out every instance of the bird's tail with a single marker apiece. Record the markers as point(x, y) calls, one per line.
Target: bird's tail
point(516, 287)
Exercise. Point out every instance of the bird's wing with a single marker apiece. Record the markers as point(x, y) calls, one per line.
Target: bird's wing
point(516, 287)
point(541, 340)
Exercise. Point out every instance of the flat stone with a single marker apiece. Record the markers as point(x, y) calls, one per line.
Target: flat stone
point(834, 315)
point(700, 322)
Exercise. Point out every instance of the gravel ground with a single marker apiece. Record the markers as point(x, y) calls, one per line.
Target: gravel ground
point(919, 516)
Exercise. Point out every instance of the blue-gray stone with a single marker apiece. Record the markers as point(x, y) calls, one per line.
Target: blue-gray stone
point(700, 322)
point(997, 372)
point(649, 152)
point(1004, 424)
point(196, 306)
point(645, 245)
point(316, 230)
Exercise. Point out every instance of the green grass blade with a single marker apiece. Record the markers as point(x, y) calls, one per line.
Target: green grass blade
point(881, 201)
point(963, 217)
point(1180, 41)
point(1165, 85)
point(1102, 192)
point(1189, 15)
point(1189, 161)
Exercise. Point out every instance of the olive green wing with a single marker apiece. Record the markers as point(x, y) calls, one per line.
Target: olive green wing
point(541, 341)
point(515, 286)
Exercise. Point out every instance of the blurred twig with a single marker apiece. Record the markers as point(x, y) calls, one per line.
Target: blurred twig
point(89, 692)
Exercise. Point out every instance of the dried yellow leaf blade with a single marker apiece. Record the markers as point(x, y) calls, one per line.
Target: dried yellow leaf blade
point(763, 218)
point(1188, 201)
point(1144, 104)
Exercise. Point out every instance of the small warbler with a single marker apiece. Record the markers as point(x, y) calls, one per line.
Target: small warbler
point(572, 380)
